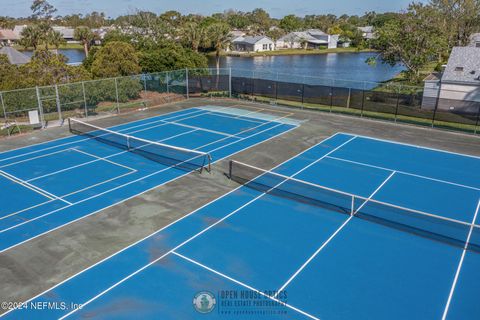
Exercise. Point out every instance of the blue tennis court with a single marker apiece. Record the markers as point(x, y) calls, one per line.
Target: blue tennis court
point(352, 228)
point(46, 186)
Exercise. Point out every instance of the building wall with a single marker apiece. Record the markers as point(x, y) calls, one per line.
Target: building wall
point(452, 97)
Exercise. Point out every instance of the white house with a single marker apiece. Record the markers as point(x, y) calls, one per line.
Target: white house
point(367, 32)
point(253, 44)
point(312, 38)
point(8, 37)
point(458, 88)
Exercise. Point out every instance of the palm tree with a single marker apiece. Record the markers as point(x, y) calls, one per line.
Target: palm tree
point(86, 36)
point(194, 34)
point(31, 37)
point(55, 38)
point(220, 38)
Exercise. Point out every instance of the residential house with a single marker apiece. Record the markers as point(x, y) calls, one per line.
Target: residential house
point(458, 88)
point(67, 33)
point(14, 56)
point(475, 40)
point(367, 32)
point(18, 30)
point(253, 44)
point(8, 37)
point(310, 39)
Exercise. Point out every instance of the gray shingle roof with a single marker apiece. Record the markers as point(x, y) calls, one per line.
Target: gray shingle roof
point(249, 39)
point(14, 56)
point(463, 66)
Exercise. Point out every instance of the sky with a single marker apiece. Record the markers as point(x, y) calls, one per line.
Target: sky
point(276, 8)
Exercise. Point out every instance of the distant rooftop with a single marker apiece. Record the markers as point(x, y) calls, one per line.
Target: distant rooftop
point(250, 39)
point(14, 56)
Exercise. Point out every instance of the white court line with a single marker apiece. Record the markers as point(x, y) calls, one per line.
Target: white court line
point(245, 286)
point(405, 173)
point(144, 177)
point(26, 209)
point(413, 145)
point(168, 225)
point(32, 187)
point(34, 158)
point(459, 268)
point(139, 179)
point(306, 263)
point(104, 159)
point(97, 158)
point(202, 129)
point(97, 184)
point(81, 140)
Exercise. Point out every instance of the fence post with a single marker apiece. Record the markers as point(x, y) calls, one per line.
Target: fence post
point(253, 85)
point(363, 102)
point(186, 83)
point(57, 100)
point(144, 83)
point(349, 97)
point(475, 130)
point(40, 108)
point(436, 103)
point(85, 99)
point(167, 80)
point(230, 83)
point(398, 103)
point(3, 106)
point(116, 95)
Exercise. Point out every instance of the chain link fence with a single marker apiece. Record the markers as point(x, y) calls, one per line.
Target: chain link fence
point(51, 105)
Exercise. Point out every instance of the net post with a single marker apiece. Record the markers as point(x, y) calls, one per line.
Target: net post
point(352, 209)
point(128, 143)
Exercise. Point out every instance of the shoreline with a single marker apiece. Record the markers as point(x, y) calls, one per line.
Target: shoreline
point(291, 52)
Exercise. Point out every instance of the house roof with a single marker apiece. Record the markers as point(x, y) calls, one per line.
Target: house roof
point(14, 56)
point(463, 66)
point(250, 39)
point(18, 30)
point(310, 35)
point(67, 33)
point(366, 29)
point(474, 39)
point(7, 34)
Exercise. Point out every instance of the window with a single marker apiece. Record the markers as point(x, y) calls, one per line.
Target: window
point(477, 44)
point(459, 69)
point(265, 46)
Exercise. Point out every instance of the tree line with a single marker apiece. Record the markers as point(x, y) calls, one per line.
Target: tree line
point(418, 37)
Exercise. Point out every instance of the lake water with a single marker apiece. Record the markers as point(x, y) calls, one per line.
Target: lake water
point(343, 66)
point(73, 55)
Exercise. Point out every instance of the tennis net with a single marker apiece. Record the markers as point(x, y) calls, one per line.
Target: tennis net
point(162, 153)
point(421, 223)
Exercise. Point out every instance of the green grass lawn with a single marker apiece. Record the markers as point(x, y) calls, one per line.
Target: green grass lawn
point(408, 115)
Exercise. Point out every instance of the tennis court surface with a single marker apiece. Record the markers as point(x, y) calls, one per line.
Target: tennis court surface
point(351, 228)
point(49, 185)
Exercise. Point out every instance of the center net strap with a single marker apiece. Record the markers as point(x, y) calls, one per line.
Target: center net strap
point(181, 158)
point(418, 222)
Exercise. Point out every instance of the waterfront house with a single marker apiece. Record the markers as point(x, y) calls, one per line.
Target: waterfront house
point(67, 33)
point(8, 37)
point(458, 87)
point(367, 32)
point(308, 39)
point(253, 44)
point(14, 56)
